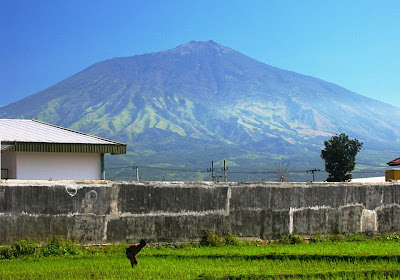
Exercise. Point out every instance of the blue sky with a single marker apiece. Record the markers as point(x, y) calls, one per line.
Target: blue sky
point(355, 44)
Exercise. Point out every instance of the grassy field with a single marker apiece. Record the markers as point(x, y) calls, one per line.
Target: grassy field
point(372, 259)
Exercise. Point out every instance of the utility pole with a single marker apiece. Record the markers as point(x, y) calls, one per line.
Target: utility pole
point(225, 168)
point(212, 170)
point(313, 171)
point(137, 172)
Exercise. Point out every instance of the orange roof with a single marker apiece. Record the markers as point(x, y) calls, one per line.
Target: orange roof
point(394, 162)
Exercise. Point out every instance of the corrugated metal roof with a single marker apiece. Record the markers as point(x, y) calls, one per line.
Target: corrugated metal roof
point(15, 130)
point(33, 135)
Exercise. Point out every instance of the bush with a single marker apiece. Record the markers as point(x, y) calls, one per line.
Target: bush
point(211, 239)
point(291, 239)
point(6, 252)
point(21, 248)
point(191, 245)
point(337, 238)
point(25, 248)
point(393, 237)
point(382, 237)
point(318, 238)
point(60, 246)
point(355, 238)
point(231, 239)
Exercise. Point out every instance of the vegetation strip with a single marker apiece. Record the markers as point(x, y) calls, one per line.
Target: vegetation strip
point(215, 257)
point(286, 257)
point(371, 274)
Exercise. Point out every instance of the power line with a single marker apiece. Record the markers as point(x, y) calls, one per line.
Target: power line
point(255, 170)
point(157, 168)
point(313, 173)
point(236, 170)
point(225, 169)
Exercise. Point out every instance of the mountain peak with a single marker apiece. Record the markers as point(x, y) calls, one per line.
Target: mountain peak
point(200, 47)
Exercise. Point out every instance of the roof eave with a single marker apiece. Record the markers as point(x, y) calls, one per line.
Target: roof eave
point(114, 149)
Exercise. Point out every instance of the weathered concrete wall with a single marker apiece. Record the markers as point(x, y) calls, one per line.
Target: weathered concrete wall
point(105, 211)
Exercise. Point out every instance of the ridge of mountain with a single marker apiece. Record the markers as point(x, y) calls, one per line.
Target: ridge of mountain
point(202, 100)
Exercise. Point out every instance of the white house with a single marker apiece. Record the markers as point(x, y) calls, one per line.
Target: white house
point(34, 150)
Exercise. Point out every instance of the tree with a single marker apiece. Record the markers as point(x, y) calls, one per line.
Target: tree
point(339, 155)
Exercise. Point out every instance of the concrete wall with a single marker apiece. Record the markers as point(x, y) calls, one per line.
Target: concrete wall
point(105, 211)
point(55, 166)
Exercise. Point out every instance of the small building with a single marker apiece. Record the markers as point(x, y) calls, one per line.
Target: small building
point(369, 180)
point(393, 174)
point(35, 150)
point(395, 162)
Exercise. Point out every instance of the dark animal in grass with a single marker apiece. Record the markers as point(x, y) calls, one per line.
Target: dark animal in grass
point(133, 250)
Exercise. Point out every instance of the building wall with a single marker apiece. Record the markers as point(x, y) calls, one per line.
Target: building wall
point(52, 166)
point(8, 161)
point(106, 211)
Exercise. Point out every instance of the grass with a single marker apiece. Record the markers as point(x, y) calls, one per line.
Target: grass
point(188, 267)
point(370, 259)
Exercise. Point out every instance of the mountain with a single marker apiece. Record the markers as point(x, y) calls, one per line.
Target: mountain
point(203, 101)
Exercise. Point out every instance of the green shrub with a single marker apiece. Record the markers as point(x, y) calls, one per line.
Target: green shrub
point(318, 238)
point(25, 248)
point(393, 237)
point(387, 237)
point(211, 239)
point(231, 239)
point(190, 245)
point(291, 239)
point(21, 248)
point(355, 238)
point(381, 237)
point(60, 246)
point(6, 252)
point(337, 238)
point(92, 251)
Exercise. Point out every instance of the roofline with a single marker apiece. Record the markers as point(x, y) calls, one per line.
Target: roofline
point(113, 148)
point(390, 163)
point(71, 130)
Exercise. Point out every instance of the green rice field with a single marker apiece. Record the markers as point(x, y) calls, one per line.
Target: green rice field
point(371, 259)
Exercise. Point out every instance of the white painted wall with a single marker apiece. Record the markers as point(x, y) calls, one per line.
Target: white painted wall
point(8, 161)
point(57, 166)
